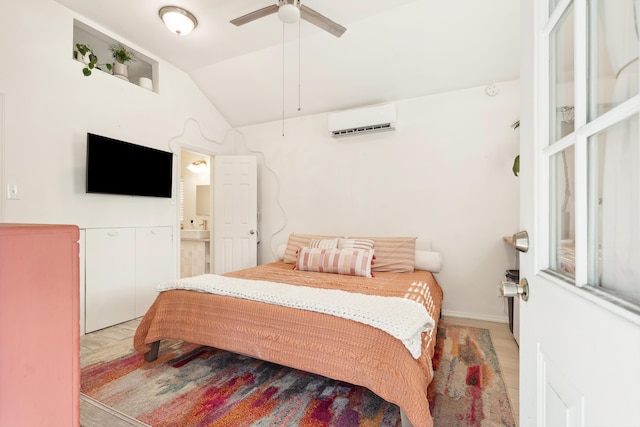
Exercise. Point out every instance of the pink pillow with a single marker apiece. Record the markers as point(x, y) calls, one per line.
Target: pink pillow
point(352, 262)
point(297, 241)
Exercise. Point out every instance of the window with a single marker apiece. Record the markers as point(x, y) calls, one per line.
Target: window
point(593, 146)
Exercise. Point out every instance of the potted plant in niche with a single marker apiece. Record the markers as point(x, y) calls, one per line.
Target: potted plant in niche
point(84, 54)
point(122, 56)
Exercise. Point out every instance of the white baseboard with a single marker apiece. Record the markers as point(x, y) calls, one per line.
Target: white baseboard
point(475, 316)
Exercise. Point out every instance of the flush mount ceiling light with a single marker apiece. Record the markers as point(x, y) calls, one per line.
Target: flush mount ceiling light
point(198, 166)
point(178, 20)
point(289, 11)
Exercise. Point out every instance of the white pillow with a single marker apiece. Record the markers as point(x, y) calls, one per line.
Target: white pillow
point(428, 260)
point(280, 252)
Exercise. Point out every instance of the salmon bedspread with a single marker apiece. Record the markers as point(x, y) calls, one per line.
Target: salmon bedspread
point(337, 348)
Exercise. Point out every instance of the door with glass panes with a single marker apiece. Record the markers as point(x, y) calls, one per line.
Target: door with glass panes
point(580, 203)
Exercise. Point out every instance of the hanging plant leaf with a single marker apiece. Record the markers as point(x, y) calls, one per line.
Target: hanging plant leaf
point(516, 162)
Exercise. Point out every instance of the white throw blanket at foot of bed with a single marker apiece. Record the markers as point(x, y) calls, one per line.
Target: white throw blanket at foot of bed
point(402, 318)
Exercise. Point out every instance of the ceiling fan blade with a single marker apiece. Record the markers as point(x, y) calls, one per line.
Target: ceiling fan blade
point(257, 14)
point(321, 21)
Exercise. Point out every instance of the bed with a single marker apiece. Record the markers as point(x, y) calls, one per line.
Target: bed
point(312, 341)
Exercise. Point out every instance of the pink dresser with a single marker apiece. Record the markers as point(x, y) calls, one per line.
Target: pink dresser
point(39, 325)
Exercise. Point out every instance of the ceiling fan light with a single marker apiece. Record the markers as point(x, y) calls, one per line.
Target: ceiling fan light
point(178, 20)
point(289, 13)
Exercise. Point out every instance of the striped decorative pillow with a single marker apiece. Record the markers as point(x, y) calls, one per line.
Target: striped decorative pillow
point(324, 243)
point(297, 241)
point(352, 262)
point(395, 254)
point(355, 244)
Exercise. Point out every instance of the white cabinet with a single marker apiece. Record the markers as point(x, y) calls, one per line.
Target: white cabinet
point(110, 292)
point(122, 268)
point(154, 264)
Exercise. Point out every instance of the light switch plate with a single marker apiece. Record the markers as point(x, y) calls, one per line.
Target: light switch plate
point(12, 192)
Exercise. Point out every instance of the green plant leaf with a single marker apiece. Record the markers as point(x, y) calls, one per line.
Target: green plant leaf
point(82, 48)
point(121, 54)
point(516, 162)
point(86, 71)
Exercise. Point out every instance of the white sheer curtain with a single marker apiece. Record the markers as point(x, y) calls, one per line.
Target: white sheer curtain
point(621, 179)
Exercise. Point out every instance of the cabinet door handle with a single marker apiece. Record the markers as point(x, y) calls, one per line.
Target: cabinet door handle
point(112, 233)
point(154, 231)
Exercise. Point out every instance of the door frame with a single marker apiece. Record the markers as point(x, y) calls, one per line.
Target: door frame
point(210, 155)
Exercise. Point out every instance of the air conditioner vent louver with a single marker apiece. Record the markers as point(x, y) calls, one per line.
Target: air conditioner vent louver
point(377, 118)
point(374, 128)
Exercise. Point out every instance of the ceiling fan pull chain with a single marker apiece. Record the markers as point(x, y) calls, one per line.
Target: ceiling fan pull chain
point(283, 24)
point(299, 60)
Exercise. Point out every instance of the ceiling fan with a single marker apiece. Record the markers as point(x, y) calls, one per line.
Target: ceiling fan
point(290, 11)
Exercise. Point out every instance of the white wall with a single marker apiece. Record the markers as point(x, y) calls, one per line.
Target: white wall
point(49, 106)
point(443, 176)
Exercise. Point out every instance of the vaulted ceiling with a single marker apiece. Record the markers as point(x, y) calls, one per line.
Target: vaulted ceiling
point(260, 71)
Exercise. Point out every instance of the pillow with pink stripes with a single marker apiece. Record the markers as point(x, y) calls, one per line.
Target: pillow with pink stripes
point(297, 241)
point(396, 254)
point(352, 262)
point(355, 244)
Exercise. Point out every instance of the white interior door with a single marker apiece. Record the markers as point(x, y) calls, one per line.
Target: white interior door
point(235, 213)
point(580, 327)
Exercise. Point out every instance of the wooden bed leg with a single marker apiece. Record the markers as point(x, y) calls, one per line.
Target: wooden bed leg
point(405, 419)
point(152, 354)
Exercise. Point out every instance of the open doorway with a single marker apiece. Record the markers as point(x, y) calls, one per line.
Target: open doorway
point(195, 213)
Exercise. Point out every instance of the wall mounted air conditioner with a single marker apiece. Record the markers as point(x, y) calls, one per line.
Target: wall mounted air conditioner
point(375, 118)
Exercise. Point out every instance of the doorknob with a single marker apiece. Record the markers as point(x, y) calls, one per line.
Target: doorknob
point(521, 241)
point(252, 232)
point(511, 289)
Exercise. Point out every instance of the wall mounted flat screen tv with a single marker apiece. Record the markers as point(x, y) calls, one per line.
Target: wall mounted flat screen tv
point(118, 167)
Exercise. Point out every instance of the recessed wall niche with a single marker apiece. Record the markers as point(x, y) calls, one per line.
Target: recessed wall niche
point(143, 66)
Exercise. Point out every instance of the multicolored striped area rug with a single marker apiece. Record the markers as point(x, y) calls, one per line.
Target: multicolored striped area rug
point(192, 385)
point(468, 389)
